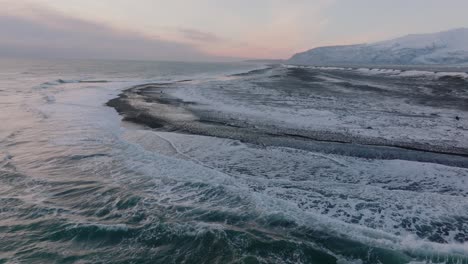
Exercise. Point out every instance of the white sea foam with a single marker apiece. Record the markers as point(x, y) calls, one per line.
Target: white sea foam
point(276, 188)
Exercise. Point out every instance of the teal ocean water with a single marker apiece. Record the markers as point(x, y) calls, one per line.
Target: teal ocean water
point(78, 185)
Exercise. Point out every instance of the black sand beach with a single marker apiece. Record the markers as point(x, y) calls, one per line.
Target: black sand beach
point(149, 105)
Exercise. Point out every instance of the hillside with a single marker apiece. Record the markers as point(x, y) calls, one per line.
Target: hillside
point(447, 47)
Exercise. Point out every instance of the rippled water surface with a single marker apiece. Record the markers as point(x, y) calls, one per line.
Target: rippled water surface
point(78, 185)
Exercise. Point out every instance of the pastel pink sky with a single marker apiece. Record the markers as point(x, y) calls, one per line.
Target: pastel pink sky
point(201, 29)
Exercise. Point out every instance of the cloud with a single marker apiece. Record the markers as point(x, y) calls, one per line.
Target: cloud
point(198, 36)
point(169, 30)
point(45, 33)
point(275, 28)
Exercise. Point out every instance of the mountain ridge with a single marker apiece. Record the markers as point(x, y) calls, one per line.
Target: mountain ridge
point(445, 47)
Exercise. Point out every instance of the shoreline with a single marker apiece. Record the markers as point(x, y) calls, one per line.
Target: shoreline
point(147, 104)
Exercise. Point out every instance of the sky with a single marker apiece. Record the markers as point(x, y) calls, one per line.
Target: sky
point(195, 30)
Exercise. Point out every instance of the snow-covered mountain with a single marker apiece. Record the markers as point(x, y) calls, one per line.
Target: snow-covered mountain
point(447, 47)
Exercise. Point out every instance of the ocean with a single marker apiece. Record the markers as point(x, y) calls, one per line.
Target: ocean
point(231, 163)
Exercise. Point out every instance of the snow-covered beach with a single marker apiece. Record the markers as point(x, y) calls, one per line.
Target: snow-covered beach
point(412, 110)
